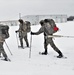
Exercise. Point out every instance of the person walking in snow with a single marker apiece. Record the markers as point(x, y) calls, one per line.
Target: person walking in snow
point(47, 30)
point(3, 35)
point(22, 33)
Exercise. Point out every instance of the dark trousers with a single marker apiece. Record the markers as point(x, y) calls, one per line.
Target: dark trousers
point(26, 40)
point(50, 41)
point(2, 50)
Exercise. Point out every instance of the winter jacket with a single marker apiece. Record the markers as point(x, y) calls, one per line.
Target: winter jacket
point(47, 29)
point(22, 30)
point(2, 39)
point(2, 36)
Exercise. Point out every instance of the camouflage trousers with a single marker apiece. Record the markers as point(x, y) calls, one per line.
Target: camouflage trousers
point(2, 50)
point(26, 40)
point(50, 41)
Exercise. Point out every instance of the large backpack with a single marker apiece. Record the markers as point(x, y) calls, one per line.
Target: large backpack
point(55, 28)
point(4, 31)
point(28, 24)
point(53, 25)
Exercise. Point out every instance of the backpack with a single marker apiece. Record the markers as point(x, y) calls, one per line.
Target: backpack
point(53, 25)
point(28, 25)
point(4, 31)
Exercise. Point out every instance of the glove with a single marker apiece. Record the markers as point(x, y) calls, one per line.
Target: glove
point(16, 31)
point(32, 33)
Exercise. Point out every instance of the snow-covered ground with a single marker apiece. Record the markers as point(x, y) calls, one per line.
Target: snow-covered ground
point(21, 64)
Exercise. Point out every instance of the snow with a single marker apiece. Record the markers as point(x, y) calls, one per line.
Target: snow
point(21, 64)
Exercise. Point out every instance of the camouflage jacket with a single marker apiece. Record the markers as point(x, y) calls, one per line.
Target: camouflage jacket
point(2, 39)
point(47, 29)
point(22, 30)
point(2, 36)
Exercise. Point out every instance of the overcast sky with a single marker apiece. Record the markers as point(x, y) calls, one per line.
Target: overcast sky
point(10, 9)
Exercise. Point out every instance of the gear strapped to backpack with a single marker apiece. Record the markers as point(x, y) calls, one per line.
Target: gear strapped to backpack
point(4, 31)
point(28, 24)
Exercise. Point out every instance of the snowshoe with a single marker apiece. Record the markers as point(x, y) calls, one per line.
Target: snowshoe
point(61, 57)
point(43, 53)
point(6, 59)
point(20, 47)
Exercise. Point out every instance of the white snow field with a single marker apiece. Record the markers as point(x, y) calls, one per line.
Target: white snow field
point(21, 64)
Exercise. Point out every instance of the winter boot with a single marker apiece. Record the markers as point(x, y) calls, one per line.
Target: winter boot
point(0, 56)
point(44, 53)
point(60, 55)
point(27, 44)
point(22, 46)
point(7, 59)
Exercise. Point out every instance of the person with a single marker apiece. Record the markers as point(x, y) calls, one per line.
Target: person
point(46, 29)
point(22, 33)
point(3, 35)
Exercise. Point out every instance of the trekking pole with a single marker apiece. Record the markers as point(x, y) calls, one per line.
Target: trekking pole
point(17, 40)
point(8, 48)
point(30, 46)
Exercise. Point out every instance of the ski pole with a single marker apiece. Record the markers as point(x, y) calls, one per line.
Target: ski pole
point(17, 40)
point(30, 46)
point(8, 48)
